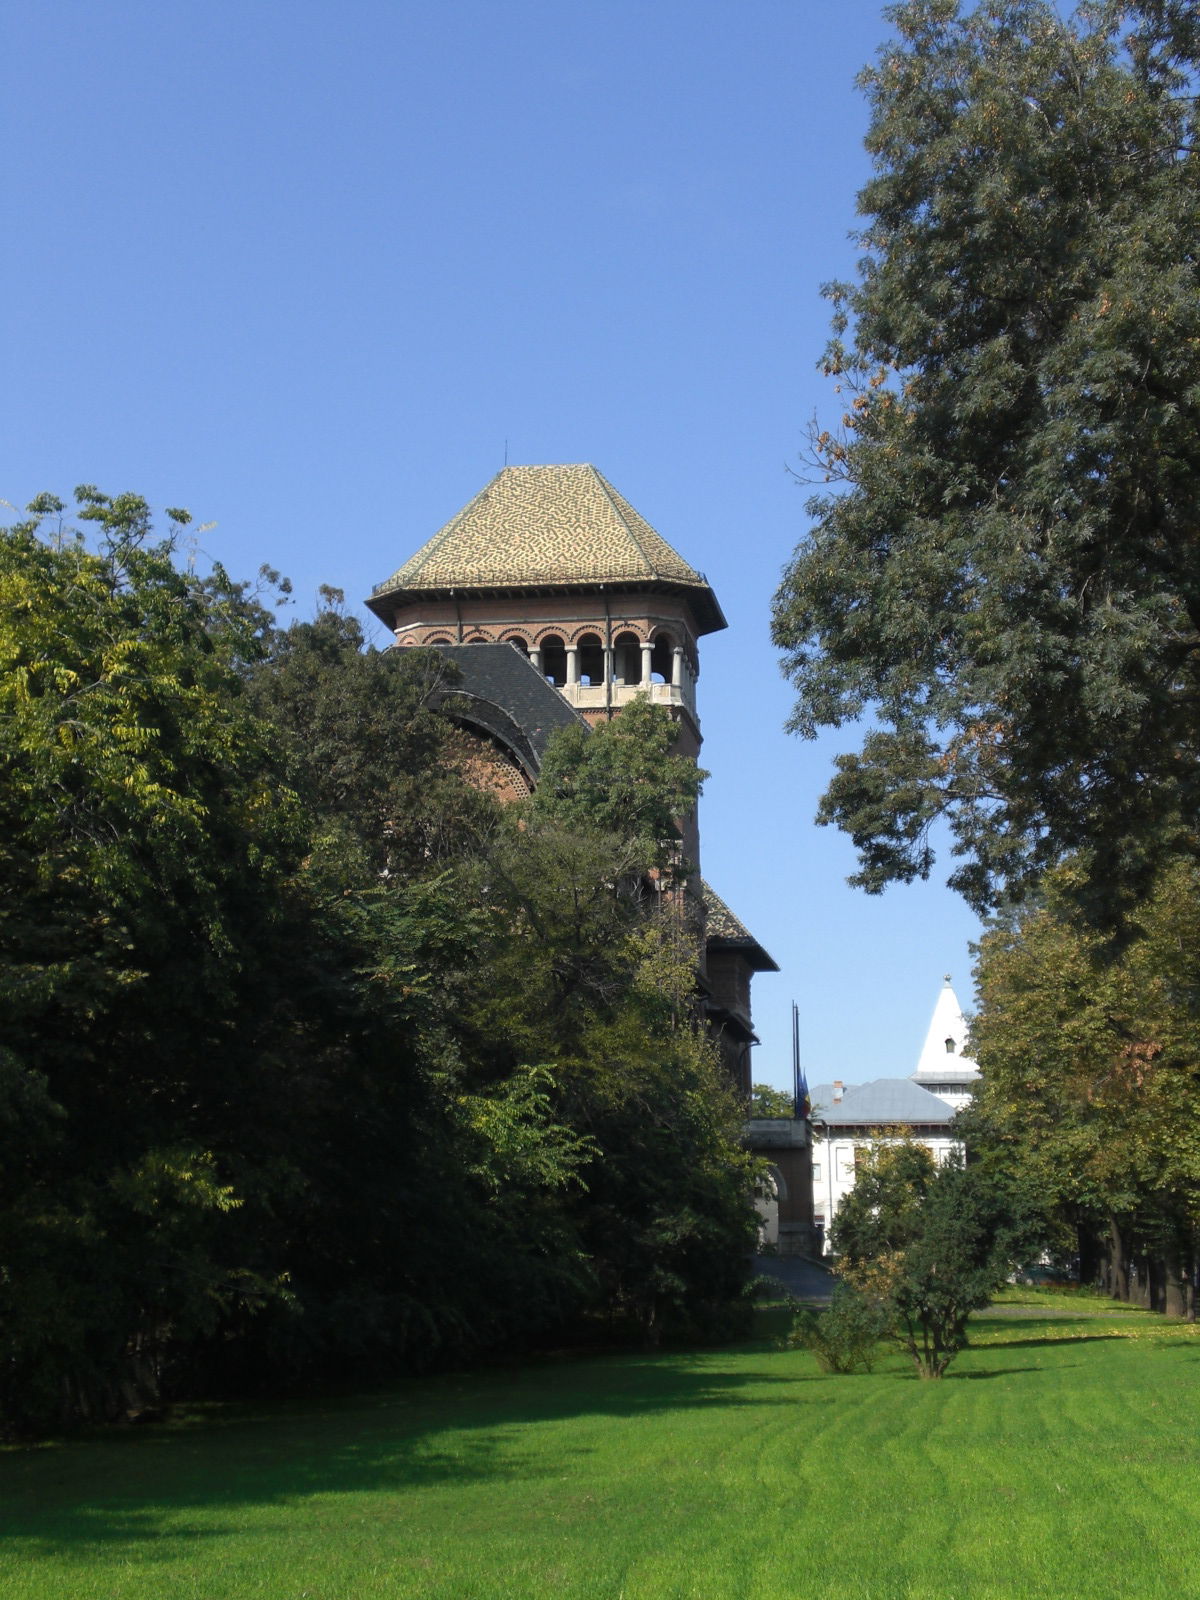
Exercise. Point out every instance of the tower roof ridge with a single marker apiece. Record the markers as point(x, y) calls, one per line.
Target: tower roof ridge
point(629, 519)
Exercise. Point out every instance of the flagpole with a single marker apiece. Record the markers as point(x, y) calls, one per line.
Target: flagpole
point(795, 1059)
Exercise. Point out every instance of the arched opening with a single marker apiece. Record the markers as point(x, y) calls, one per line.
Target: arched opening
point(661, 658)
point(627, 658)
point(438, 640)
point(949, 1047)
point(554, 660)
point(518, 644)
point(591, 658)
point(477, 638)
point(766, 1203)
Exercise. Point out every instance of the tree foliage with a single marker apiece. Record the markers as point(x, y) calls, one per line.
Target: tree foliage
point(928, 1245)
point(1091, 1075)
point(767, 1101)
point(621, 779)
point(1005, 573)
point(314, 1059)
point(145, 845)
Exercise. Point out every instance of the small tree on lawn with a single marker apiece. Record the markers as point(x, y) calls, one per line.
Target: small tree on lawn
point(928, 1244)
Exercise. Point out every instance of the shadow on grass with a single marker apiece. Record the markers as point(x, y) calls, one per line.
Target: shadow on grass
point(209, 1479)
point(1041, 1344)
point(1003, 1372)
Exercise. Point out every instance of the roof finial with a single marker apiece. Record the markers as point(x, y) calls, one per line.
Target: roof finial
point(947, 977)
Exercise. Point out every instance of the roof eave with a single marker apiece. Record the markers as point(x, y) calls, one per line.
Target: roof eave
point(753, 952)
point(706, 608)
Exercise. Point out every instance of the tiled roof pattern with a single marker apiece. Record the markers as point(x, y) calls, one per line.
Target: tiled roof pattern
point(721, 924)
point(543, 525)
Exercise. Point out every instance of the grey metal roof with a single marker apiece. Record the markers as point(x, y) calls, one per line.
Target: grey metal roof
point(883, 1103)
point(959, 1074)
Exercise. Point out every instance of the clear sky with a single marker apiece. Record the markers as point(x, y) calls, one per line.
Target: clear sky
point(309, 270)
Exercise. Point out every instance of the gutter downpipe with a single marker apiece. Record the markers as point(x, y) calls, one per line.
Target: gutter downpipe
point(608, 656)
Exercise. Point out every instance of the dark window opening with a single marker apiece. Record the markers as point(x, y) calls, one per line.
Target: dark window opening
point(591, 659)
point(554, 661)
point(627, 658)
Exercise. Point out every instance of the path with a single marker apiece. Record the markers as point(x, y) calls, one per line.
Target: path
point(800, 1277)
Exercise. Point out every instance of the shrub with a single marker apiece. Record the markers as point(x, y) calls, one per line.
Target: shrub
point(845, 1336)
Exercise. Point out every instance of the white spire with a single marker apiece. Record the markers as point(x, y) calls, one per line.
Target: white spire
point(943, 1058)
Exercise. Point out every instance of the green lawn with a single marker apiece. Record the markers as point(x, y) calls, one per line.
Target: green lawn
point(1059, 1458)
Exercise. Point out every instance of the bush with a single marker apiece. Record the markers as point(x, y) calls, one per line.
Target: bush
point(845, 1336)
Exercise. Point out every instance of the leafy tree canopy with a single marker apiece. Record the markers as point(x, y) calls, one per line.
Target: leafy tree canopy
point(767, 1101)
point(1005, 573)
point(1090, 1076)
point(621, 779)
point(929, 1245)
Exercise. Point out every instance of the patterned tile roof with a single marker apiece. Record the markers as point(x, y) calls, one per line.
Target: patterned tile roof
point(722, 927)
point(545, 527)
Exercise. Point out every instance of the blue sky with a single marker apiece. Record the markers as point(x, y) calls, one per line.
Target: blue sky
point(308, 269)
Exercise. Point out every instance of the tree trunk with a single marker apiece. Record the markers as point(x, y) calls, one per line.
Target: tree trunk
point(1118, 1264)
point(1193, 1273)
point(1174, 1282)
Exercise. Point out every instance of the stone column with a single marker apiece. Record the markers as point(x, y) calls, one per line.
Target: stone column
point(572, 663)
point(677, 666)
point(535, 655)
point(647, 652)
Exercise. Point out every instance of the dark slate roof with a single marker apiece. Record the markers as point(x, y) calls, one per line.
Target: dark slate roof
point(883, 1103)
point(722, 928)
point(500, 690)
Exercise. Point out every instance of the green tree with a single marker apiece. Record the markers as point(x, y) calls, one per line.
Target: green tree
point(1091, 1077)
point(928, 1245)
point(145, 845)
point(584, 967)
point(767, 1101)
point(621, 779)
point(1005, 573)
point(364, 749)
point(609, 1176)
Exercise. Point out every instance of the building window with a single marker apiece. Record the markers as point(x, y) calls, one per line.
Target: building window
point(816, 1172)
point(949, 1047)
point(554, 660)
point(591, 658)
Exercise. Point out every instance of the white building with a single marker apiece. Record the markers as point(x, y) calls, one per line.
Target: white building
point(848, 1118)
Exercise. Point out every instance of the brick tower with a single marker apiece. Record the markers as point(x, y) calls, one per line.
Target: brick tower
point(558, 601)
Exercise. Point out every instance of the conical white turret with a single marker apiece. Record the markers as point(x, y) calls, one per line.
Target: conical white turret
point(944, 1068)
